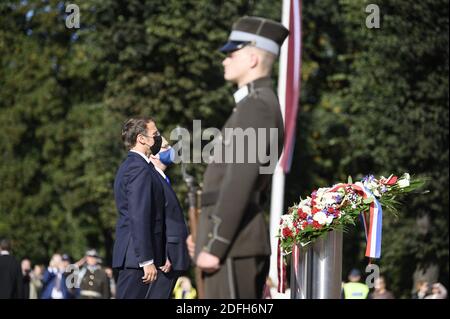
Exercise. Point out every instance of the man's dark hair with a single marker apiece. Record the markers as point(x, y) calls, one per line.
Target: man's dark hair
point(5, 244)
point(132, 128)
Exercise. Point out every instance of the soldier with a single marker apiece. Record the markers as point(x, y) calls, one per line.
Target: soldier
point(93, 281)
point(233, 244)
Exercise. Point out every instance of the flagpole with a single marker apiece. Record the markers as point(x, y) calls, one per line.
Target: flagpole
point(278, 179)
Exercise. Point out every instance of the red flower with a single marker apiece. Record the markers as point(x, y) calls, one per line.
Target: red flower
point(287, 232)
point(302, 214)
point(314, 210)
point(316, 225)
point(305, 224)
point(390, 181)
point(358, 191)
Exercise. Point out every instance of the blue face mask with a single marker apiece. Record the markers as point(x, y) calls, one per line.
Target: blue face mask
point(167, 157)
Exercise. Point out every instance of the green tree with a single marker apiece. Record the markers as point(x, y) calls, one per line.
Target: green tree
point(376, 101)
point(372, 101)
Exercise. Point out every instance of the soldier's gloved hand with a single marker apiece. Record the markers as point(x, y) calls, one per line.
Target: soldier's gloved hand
point(207, 262)
point(167, 266)
point(190, 246)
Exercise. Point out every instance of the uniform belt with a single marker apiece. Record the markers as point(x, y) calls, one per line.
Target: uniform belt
point(210, 198)
point(90, 293)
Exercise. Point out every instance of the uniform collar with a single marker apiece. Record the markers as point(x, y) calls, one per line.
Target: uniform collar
point(240, 94)
point(93, 268)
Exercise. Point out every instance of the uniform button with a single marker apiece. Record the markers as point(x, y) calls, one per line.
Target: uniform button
point(91, 283)
point(209, 235)
point(234, 109)
point(91, 276)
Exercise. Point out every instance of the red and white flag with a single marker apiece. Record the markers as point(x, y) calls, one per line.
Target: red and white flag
point(293, 77)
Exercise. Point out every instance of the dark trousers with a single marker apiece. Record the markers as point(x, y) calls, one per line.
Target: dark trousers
point(130, 285)
point(238, 278)
point(164, 284)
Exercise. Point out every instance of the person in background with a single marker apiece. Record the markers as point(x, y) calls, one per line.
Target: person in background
point(11, 284)
point(183, 289)
point(112, 282)
point(438, 291)
point(422, 290)
point(354, 289)
point(36, 282)
point(66, 260)
point(267, 289)
point(54, 280)
point(92, 279)
point(26, 270)
point(380, 291)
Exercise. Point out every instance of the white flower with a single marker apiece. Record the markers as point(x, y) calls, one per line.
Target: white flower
point(320, 217)
point(321, 191)
point(404, 181)
point(287, 221)
point(305, 203)
point(329, 198)
point(330, 219)
point(306, 209)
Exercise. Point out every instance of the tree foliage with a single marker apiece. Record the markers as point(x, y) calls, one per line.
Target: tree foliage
point(372, 101)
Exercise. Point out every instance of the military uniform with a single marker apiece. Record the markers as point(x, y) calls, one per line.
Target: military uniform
point(232, 225)
point(94, 283)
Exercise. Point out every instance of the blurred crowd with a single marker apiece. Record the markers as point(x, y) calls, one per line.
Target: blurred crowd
point(60, 279)
point(87, 278)
point(64, 278)
point(354, 288)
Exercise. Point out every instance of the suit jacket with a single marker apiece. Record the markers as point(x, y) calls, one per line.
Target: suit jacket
point(176, 230)
point(233, 225)
point(140, 203)
point(50, 280)
point(11, 285)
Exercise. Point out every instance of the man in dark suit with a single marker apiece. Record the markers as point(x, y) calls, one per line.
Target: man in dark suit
point(11, 285)
point(233, 245)
point(139, 248)
point(177, 259)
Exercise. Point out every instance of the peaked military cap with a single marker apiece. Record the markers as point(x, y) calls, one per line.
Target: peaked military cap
point(92, 253)
point(262, 33)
